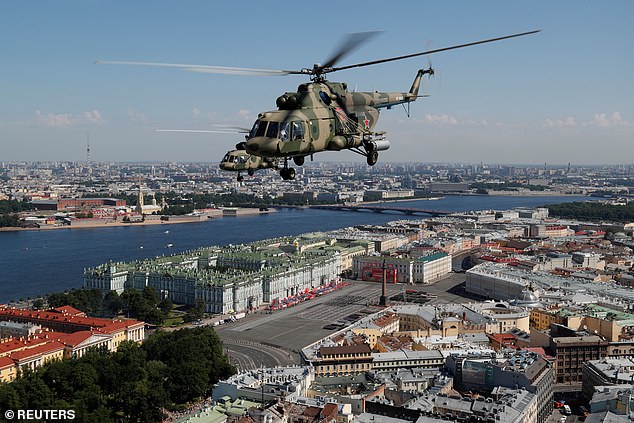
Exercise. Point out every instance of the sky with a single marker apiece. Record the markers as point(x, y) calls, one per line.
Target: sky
point(562, 95)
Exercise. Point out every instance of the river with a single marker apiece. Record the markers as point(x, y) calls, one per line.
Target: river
point(39, 262)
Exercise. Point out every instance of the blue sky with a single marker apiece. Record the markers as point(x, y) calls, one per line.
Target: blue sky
point(563, 95)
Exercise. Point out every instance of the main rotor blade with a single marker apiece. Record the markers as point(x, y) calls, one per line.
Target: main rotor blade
point(206, 68)
point(351, 42)
point(407, 56)
point(203, 131)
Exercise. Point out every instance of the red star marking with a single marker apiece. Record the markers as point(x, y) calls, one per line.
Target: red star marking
point(366, 122)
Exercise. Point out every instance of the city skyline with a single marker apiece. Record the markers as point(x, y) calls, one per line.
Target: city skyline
point(560, 96)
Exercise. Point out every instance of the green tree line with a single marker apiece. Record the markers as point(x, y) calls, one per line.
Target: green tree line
point(9, 210)
point(132, 384)
point(592, 210)
point(484, 187)
point(143, 305)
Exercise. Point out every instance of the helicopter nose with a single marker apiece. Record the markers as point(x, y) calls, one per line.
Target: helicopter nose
point(263, 146)
point(252, 147)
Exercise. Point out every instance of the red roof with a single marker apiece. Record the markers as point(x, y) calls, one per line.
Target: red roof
point(70, 310)
point(79, 321)
point(49, 347)
point(6, 362)
point(74, 339)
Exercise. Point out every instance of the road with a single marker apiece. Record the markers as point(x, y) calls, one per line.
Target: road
point(274, 339)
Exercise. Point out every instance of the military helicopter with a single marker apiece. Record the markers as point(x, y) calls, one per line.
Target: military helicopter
point(235, 160)
point(323, 115)
point(241, 161)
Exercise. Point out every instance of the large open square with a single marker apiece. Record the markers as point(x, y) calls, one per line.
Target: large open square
point(275, 338)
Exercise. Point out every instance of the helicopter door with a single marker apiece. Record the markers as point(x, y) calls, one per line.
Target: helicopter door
point(299, 137)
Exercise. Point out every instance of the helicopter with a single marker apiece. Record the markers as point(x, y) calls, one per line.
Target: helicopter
point(240, 161)
point(237, 160)
point(322, 115)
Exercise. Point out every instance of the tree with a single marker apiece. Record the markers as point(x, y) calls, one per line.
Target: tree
point(196, 312)
point(194, 358)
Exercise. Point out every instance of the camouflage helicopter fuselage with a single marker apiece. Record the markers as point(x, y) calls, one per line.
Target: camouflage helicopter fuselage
point(241, 161)
point(325, 116)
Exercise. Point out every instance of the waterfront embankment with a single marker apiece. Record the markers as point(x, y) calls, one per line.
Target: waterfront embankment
point(146, 221)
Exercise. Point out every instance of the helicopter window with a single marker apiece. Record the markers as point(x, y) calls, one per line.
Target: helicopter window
point(254, 129)
point(226, 158)
point(241, 159)
point(284, 131)
point(325, 98)
point(273, 129)
point(298, 131)
point(260, 130)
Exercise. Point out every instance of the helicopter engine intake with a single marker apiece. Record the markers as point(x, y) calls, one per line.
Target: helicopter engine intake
point(378, 145)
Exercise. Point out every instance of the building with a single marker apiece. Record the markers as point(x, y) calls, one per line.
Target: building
point(426, 268)
point(72, 204)
point(71, 321)
point(407, 359)
point(9, 329)
point(570, 352)
point(519, 369)
point(266, 384)
point(374, 195)
point(61, 333)
point(234, 278)
point(606, 372)
point(342, 360)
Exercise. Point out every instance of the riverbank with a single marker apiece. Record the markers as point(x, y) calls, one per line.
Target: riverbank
point(150, 220)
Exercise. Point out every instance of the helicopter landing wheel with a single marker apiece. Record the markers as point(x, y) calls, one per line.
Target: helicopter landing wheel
point(250, 172)
point(373, 157)
point(299, 160)
point(287, 173)
point(240, 178)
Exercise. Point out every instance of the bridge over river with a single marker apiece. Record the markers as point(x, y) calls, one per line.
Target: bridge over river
point(381, 208)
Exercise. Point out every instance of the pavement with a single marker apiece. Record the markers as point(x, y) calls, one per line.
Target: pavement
point(275, 338)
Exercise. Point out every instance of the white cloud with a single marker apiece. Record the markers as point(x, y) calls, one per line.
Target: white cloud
point(58, 121)
point(63, 120)
point(195, 112)
point(245, 114)
point(138, 117)
point(566, 122)
point(440, 119)
point(605, 121)
point(94, 117)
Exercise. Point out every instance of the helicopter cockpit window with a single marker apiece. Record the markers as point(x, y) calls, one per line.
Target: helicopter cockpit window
point(258, 130)
point(284, 131)
point(226, 158)
point(273, 129)
point(298, 131)
point(254, 129)
point(241, 159)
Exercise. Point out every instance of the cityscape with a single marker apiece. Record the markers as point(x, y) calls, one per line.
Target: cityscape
point(516, 314)
point(300, 212)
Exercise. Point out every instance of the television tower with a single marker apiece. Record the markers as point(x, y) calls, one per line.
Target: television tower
point(88, 148)
point(88, 162)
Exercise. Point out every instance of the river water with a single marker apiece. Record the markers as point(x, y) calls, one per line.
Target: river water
point(39, 262)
